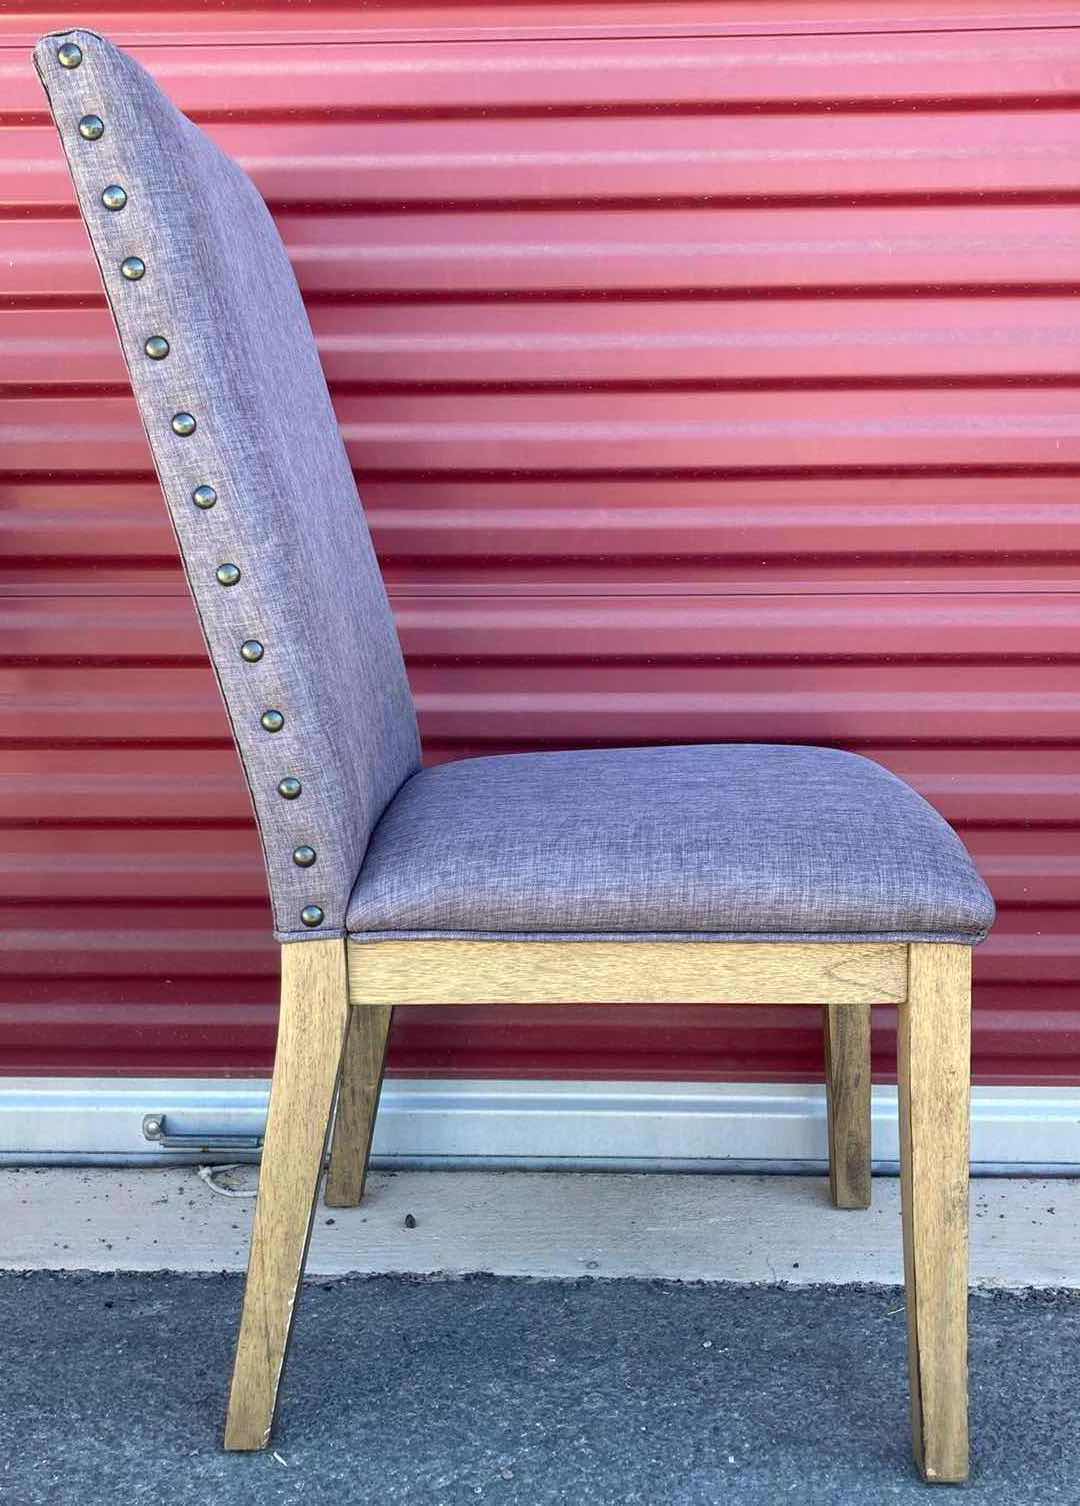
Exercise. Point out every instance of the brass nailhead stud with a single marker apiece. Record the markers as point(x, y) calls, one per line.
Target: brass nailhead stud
point(183, 424)
point(271, 721)
point(204, 497)
point(289, 787)
point(227, 575)
point(251, 651)
point(91, 128)
point(312, 916)
point(303, 857)
point(133, 268)
point(114, 197)
point(69, 55)
point(157, 347)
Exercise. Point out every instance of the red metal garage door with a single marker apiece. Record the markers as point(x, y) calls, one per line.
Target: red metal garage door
point(710, 373)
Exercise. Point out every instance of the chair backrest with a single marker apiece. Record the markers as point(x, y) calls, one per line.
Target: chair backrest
point(259, 488)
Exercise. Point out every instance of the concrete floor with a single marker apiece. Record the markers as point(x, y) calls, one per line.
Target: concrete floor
point(766, 1371)
point(683, 1227)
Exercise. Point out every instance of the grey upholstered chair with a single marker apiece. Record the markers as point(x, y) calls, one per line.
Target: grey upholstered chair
point(720, 874)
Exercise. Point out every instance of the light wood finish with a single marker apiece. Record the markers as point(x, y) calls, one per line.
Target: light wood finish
point(934, 1083)
point(847, 1090)
point(311, 1036)
point(358, 1103)
point(626, 972)
point(930, 982)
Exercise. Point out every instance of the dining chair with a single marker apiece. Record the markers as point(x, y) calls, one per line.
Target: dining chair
point(723, 874)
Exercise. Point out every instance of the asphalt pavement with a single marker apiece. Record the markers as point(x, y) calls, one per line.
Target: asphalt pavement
point(590, 1392)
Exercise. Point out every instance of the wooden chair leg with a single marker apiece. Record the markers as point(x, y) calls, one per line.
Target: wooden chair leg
point(934, 1091)
point(847, 1091)
point(311, 1037)
point(358, 1103)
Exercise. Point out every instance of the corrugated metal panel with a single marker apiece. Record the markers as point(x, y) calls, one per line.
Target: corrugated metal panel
point(714, 380)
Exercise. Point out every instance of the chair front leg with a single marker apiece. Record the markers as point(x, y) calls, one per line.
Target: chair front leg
point(358, 1103)
point(311, 1037)
point(934, 1094)
point(847, 1091)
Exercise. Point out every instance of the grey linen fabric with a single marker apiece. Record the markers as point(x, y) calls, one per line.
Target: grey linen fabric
point(242, 361)
point(733, 842)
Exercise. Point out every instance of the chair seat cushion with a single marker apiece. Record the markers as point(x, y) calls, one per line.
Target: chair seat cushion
point(729, 841)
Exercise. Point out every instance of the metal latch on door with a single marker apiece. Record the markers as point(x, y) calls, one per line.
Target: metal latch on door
point(197, 1133)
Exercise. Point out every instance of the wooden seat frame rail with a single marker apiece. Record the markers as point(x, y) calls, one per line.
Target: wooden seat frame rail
point(337, 999)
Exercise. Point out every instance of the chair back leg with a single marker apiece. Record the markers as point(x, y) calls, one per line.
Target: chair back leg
point(934, 1066)
point(358, 1103)
point(311, 1038)
point(847, 1091)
